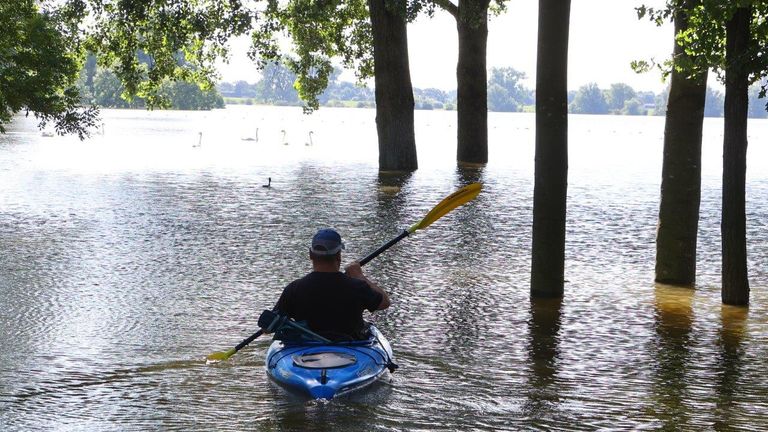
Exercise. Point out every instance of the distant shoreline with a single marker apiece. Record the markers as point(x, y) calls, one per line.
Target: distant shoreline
point(228, 100)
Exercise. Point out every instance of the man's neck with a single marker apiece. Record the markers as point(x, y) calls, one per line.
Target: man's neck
point(325, 267)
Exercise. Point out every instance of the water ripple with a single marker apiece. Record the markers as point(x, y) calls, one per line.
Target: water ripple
point(126, 263)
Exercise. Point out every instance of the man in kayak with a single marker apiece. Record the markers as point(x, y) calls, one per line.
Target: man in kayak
point(329, 301)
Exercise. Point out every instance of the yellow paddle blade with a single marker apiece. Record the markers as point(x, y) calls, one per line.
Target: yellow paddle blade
point(461, 196)
point(220, 355)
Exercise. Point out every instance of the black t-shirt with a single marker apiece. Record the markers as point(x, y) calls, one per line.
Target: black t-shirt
point(331, 303)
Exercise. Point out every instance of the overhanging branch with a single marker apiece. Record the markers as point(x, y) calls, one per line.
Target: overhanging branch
point(449, 7)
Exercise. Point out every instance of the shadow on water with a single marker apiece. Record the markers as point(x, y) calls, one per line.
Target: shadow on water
point(390, 205)
point(392, 269)
point(543, 349)
point(392, 182)
point(729, 365)
point(671, 349)
point(469, 309)
point(466, 174)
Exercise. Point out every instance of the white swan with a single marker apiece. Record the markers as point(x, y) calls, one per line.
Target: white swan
point(199, 140)
point(47, 134)
point(253, 138)
point(310, 139)
point(284, 140)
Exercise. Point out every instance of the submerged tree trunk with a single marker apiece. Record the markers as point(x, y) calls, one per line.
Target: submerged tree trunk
point(472, 81)
point(735, 289)
point(551, 166)
point(681, 170)
point(394, 92)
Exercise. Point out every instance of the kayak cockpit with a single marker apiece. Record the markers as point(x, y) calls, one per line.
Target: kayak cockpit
point(323, 360)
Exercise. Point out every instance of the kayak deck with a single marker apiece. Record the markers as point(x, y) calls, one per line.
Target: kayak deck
point(326, 370)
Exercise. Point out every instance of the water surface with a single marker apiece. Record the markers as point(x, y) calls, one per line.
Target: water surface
point(127, 258)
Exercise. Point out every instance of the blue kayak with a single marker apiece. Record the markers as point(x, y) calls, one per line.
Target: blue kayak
point(324, 370)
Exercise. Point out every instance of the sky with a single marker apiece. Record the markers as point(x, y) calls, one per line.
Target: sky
point(605, 36)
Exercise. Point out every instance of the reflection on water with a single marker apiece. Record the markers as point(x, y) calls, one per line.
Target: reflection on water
point(691, 363)
point(128, 258)
point(729, 365)
point(672, 352)
point(543, 356)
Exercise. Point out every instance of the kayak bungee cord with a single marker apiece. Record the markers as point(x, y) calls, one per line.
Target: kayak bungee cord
point(385, 360)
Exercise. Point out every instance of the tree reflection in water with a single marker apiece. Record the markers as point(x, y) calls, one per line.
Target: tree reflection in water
point(543, 349)
point(470, 307)
point(729, 364)
point(672, 351)
point(391, 213)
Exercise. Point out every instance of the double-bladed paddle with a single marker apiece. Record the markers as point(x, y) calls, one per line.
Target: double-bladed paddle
point(461, 196)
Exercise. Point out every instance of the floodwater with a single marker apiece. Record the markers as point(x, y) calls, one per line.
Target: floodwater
point(128, 258)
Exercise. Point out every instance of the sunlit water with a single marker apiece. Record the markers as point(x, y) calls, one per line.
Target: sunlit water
point(127, 258)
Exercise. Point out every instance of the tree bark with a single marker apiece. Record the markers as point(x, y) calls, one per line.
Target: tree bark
point(735, 289)
point(394, 92)
point(472, 81)
point(551, 165)
point(681, 171)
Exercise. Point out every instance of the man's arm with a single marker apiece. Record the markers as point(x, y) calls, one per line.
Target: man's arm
point(356, 271)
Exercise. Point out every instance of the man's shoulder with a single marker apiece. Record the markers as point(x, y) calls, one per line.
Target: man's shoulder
point(356, 281)
point(317, 278)
point(328, 278)
point(298, 283)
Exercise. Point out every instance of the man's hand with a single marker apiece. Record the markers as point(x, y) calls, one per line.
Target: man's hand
point(355, 270)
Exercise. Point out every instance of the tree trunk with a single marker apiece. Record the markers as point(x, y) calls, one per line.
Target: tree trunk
point(734, 236)
point(681, 171)
point(551, 166)
point(394, 92)
point(472, 81)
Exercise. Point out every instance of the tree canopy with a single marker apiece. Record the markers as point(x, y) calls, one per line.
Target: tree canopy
point(147, 43)
point(506, 91)
point(704, 40)
point(618, 95)
point(318, 32)
point(589, 100)
point(41, 55)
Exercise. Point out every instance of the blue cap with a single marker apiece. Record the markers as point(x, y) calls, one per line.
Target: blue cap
point(326, 242)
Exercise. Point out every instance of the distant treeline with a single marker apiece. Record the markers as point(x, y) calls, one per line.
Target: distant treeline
point(620, 98)
point(506, 93)
point(100, 86)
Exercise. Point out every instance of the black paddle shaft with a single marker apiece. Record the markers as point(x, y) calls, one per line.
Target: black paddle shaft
point(249, 340)
point(389, 244)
